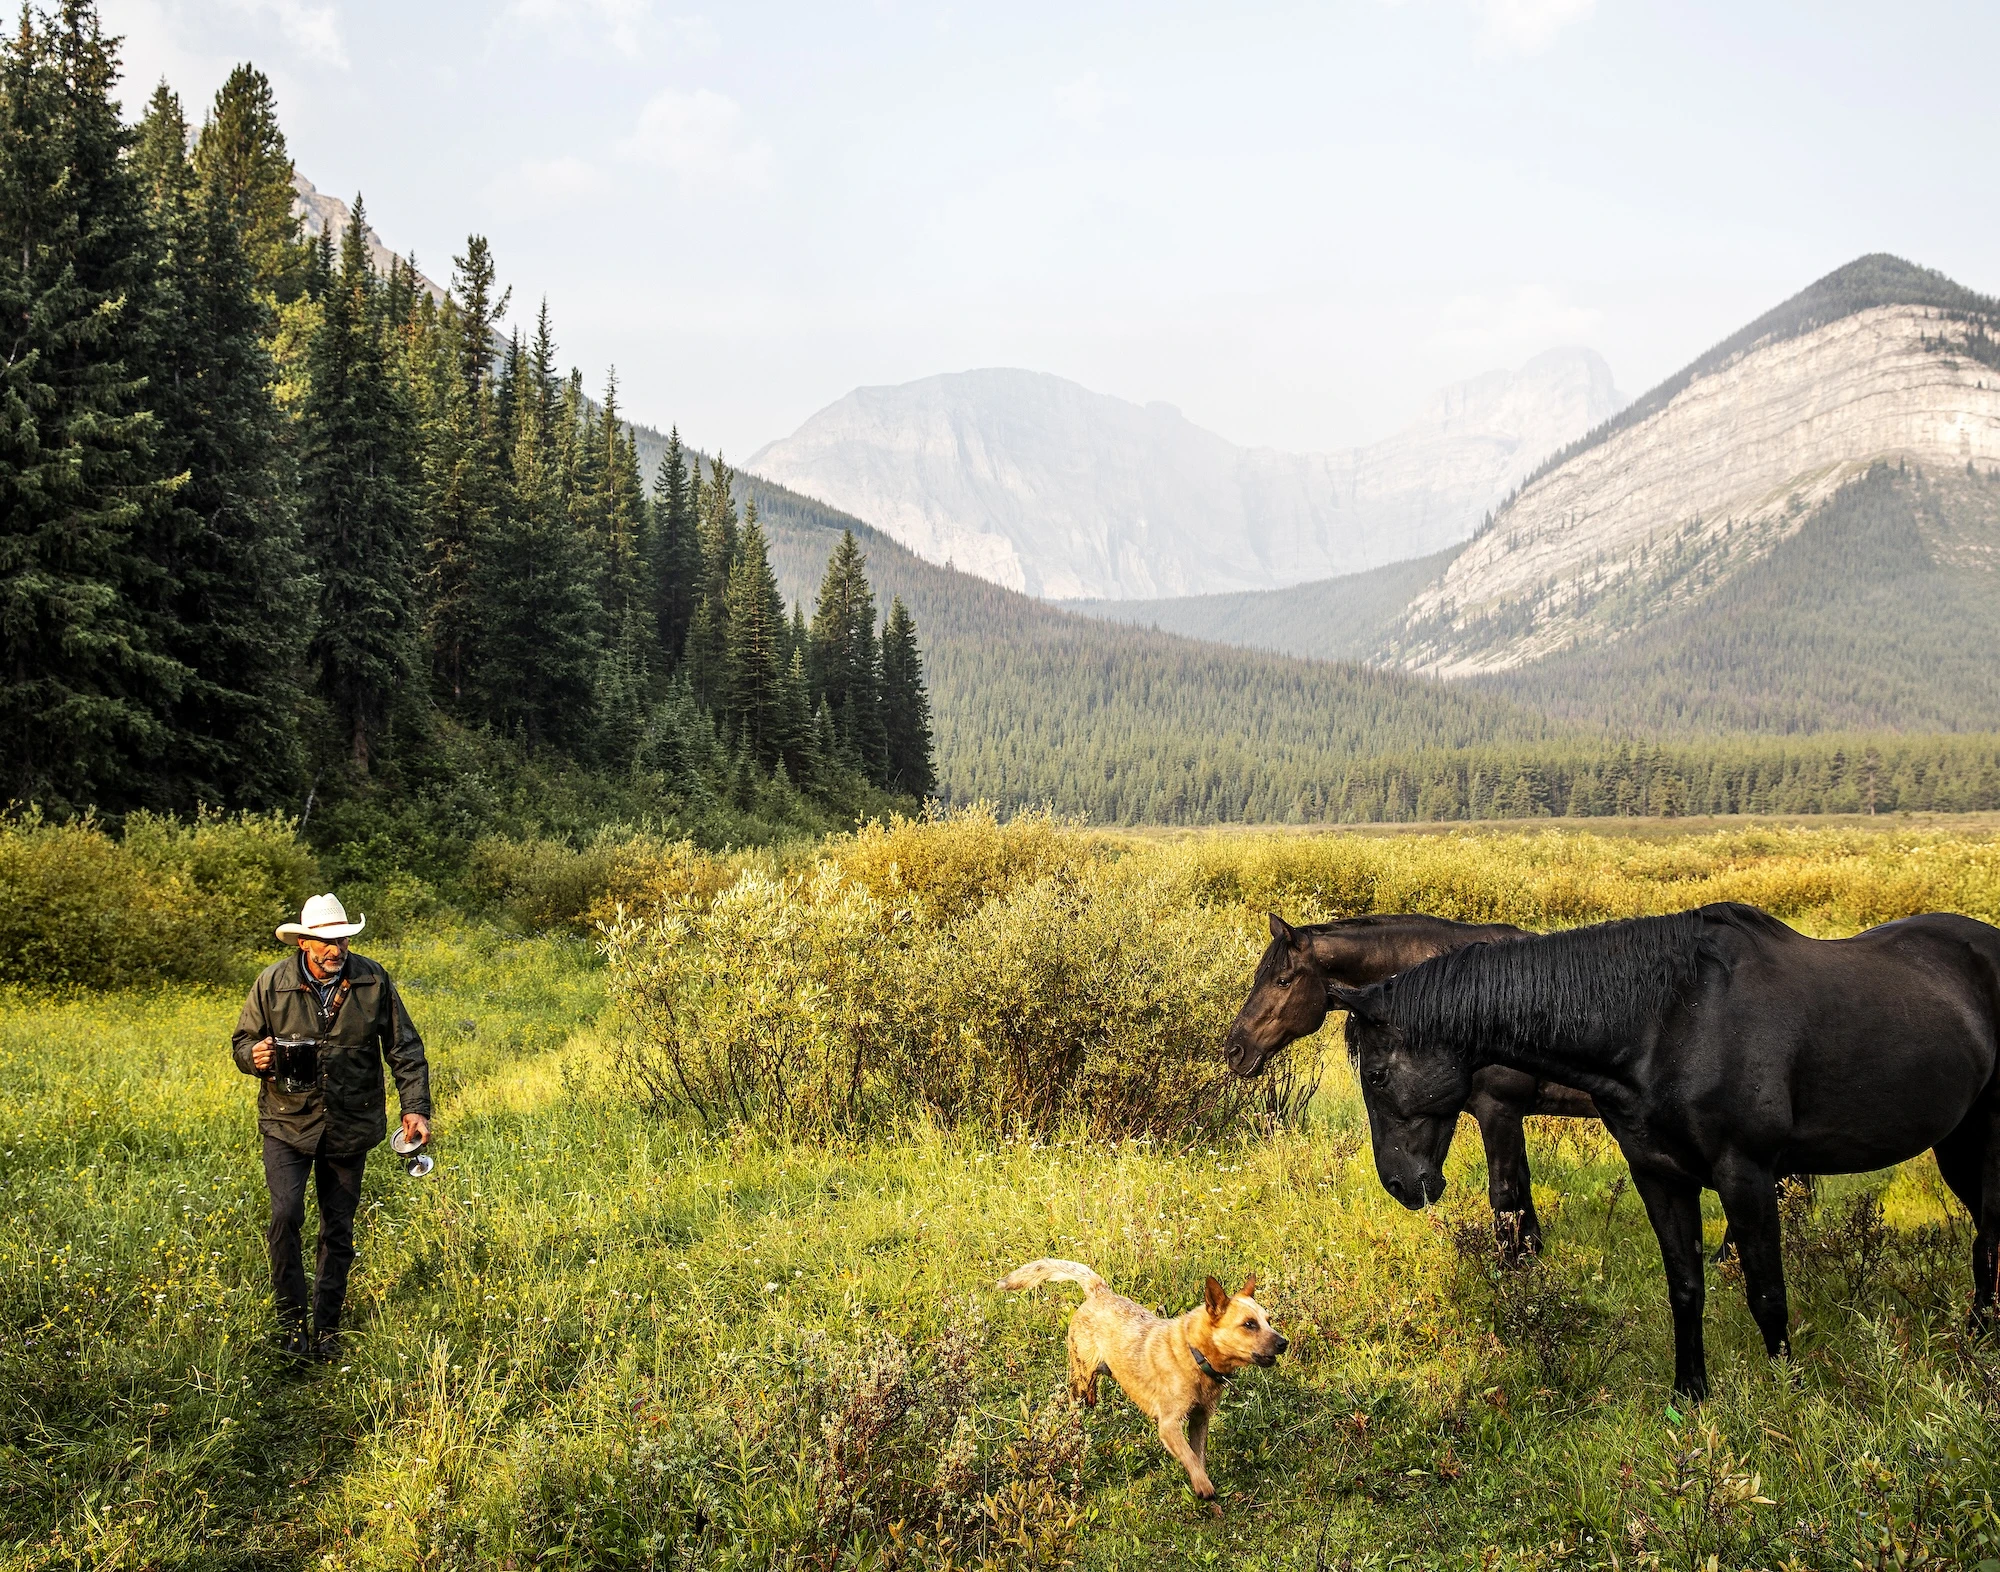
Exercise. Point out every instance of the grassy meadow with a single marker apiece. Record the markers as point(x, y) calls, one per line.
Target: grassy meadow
point(623, 1325)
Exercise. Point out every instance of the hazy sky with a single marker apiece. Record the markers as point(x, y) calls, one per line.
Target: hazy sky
point(1293, 221)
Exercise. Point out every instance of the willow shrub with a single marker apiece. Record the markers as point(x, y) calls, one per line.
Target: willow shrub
point(807, 1005)
point(1823, 881)
point(1036, 975)
point(81, 908)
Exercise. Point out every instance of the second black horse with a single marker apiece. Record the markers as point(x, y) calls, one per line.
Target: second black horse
point(1723, 1050)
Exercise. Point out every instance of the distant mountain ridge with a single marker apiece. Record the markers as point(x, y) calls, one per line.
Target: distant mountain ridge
point(1798, 532)
point(1034, 482)
point(1878, 361)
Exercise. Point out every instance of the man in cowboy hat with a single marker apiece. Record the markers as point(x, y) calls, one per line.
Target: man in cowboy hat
point(323, 1126)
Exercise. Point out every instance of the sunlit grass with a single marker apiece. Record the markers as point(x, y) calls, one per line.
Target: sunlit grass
point(595, 1338)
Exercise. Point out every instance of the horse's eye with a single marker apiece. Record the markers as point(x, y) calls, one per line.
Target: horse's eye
point(1286, 982)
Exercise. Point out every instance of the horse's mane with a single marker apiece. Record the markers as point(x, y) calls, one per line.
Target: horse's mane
point(1576, 986)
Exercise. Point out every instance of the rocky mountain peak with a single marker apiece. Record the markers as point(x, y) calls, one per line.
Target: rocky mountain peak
point(1040, 484)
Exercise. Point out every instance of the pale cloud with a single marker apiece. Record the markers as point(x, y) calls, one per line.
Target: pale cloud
point(1083, 101)
point(312, 30)
point(547, 185)
point(630, 27)
point(1529, 26)
point(1499, 327)
point(700, 137)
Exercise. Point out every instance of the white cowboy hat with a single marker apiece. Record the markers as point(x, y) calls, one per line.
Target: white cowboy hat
point(323, 918)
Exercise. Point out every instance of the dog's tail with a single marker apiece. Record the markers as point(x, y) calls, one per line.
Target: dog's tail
point(1050, 1270)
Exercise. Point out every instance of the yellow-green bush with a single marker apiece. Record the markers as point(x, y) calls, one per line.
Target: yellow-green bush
point(1823, 880)
point(1035, 974)
point(169, 900)
point(807, 1005)
point(948, 864)
point(546, 883)
point(249, 872)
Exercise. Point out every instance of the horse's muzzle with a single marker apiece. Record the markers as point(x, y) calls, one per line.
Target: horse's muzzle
point(1241, 1055)
point(1415, 1194)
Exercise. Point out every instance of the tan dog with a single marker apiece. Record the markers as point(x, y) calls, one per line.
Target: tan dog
point(1173, 1370)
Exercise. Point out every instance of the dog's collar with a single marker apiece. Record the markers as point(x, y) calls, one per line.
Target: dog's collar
point(1208, 1369)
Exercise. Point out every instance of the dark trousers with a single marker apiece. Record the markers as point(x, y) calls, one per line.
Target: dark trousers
point(339, 1184)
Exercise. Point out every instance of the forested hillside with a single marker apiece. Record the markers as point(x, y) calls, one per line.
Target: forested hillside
point(1346, 618)
point(281, 530)
point(1036, 705)
point(1882, 611)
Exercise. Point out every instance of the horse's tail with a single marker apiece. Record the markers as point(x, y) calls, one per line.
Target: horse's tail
point(1050, 1270)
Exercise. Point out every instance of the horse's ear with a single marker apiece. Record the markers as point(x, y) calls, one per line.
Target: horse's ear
point(1216, 1300)
point(1249, 1288)
point(1364, 1002)
point(1280, 929)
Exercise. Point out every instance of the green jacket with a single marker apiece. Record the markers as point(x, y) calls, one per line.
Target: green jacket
point(370, 1026)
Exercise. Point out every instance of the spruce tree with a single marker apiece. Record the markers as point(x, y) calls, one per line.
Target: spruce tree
point(803, 762)
point(844, 662)
point(360, 519)
point(675, 550)
point(242, 149)
point(472, 279)
point(756, 707)
point(465, 473)
point(539, 612)
point(708, 628)
point(622, 683)
point(906, 708)
point(89, 682)
point(238, 596)
point(623, 514)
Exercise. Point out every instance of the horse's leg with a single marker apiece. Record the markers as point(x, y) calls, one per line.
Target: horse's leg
point(1497, 1106)
point(1674, 1207)
point(1966, 1158)
point(1750, 1202)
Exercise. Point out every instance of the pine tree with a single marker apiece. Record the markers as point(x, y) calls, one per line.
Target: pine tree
point(88, 684)
point(242, 149)
point(803, 762)
point(676, 550)
point(844, 662)
point(624, 514)
point(539, 613)
point(621, 695)
point(465, 473)
point(239, 596)
point(906, 708)
point(472, 280)
point(359, 512)
point(708, 628)
point(755, 704)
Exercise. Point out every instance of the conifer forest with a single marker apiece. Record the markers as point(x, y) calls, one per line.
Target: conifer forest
point(283, 532)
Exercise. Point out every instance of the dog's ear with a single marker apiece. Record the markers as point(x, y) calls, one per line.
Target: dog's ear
point(1216, 1299)
point(1249, 1288)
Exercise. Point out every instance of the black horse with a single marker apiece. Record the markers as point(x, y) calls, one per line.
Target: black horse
point(1722, 1050)
point(1288, 1000)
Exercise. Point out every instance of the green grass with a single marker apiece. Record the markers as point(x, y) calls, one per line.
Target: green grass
point(590, 1339)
